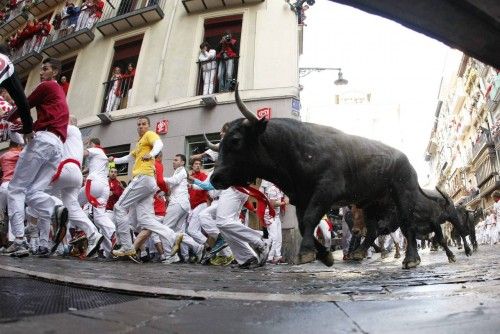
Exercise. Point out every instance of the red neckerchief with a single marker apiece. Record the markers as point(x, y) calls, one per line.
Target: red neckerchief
point(262, 203)
point(60, 167)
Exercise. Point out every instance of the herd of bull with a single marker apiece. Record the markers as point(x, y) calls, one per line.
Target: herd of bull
point(319, 166)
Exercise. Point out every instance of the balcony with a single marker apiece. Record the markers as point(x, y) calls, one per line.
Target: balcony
point(42, 6)
point(485, 171)
point(73, 34)
point(28, 55)
point(193, 6)
point(209, 82)
point(16, 18)
point(117, 91)
point(479, 145)
point(122, 15)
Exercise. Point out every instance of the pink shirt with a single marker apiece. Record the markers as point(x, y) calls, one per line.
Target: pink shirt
point(8, 162)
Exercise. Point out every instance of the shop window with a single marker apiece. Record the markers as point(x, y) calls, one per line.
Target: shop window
point(196, 144)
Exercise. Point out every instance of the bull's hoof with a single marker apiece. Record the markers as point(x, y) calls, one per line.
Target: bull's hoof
point(452, 259)
point(358, 255)
point(326, 258)
point(306, 257)
point(468, 251)
point(409, 263)
point(384, 254)
point(397, 255)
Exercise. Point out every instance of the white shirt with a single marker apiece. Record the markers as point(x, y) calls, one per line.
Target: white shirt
point(206, 57)
point(272, 193)
point(212, 154)
point(98, 164)
point(179, 188)
point(73, 147)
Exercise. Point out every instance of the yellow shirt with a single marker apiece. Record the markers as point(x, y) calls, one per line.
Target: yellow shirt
point(144, 146)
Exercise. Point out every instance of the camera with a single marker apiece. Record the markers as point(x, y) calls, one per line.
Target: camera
point(227, 38)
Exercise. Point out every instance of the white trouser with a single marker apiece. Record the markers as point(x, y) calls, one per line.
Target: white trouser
point(37, 164)
point(275, 234)
point(207, 220)
point(493, 234)
point(113, 101)
point(68, 185)
point(100, 190)
point(3, 209)
point(176, 217)
point(239, 237)
point(139, 196)
point(194, 224)
point(208, 81)
point(327, 235)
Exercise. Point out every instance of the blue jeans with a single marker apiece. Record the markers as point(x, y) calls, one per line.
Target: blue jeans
point(225, 74)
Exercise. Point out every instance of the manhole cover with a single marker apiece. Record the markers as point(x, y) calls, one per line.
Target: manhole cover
point(23, 297)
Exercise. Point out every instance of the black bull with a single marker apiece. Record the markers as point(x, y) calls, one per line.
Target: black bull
point(318, 166)
point(470, 220)
point(432, 208)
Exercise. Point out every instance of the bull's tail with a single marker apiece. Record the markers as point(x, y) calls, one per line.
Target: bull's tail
point(444, 195)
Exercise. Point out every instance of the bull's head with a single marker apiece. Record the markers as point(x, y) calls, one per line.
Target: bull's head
point(239, 151)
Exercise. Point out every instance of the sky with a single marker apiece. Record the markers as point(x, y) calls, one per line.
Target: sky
point(400, 68)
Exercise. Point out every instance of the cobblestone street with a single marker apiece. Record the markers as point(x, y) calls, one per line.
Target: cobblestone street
point(372, 297)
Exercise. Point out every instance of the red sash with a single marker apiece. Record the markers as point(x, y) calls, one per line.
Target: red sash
point(92, 200)
point(262, 203)
point(60, 167)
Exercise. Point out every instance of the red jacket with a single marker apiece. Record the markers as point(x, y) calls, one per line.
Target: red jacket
point(228, 48)
point(198, 196)
point(115, 191)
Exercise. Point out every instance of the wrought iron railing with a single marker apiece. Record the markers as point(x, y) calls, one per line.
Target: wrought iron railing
point(115, 8)
point(84, 19)
point(33, 44)
point(117, 92)
point(12, 13)
point(216, 76)
point(481, 141)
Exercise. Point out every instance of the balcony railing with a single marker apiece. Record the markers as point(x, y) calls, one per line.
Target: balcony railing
point(122, 15)
point(116, 94)
point(13, 19)
point(73, 33)
point(479, 144)
point(217, 76)
point(28, 55)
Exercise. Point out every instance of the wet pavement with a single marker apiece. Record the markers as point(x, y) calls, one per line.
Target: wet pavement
point(376, 296)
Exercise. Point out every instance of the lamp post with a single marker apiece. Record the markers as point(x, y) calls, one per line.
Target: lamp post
point(304, 71)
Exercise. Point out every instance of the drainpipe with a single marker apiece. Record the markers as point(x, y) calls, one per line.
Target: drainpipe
point(164, 52)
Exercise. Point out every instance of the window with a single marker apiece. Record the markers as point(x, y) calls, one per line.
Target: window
point(121, 77)
point(67, 66)
point(222, 76)
point(196, 144)
point(118, 152)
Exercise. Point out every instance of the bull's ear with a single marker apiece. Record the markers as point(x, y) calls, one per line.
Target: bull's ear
point(260, 126)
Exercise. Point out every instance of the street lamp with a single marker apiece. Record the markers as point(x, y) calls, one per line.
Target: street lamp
point(303, 71)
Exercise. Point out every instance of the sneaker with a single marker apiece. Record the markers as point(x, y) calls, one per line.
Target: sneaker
point(59, 225)
point(33, 245)
point(263, 252)
point(222, 260)
point(93, 243)
point(250, 264)
point(220, 244)
point(123, 252)
point(42, 252)
point(159, 258)
point(18, 249)
point(172, 259)
point(177, 244)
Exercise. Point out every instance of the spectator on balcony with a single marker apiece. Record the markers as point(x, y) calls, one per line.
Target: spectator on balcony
point(72, 17)
point(114, 94)
point(42, 31)
point(208, 67)
point(3, 15)
point(129, 77)
point(226, 55)
point(95, 8)
point(64, 84)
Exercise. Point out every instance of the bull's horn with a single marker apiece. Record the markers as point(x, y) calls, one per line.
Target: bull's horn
point(212, 146)
point(243, 108)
